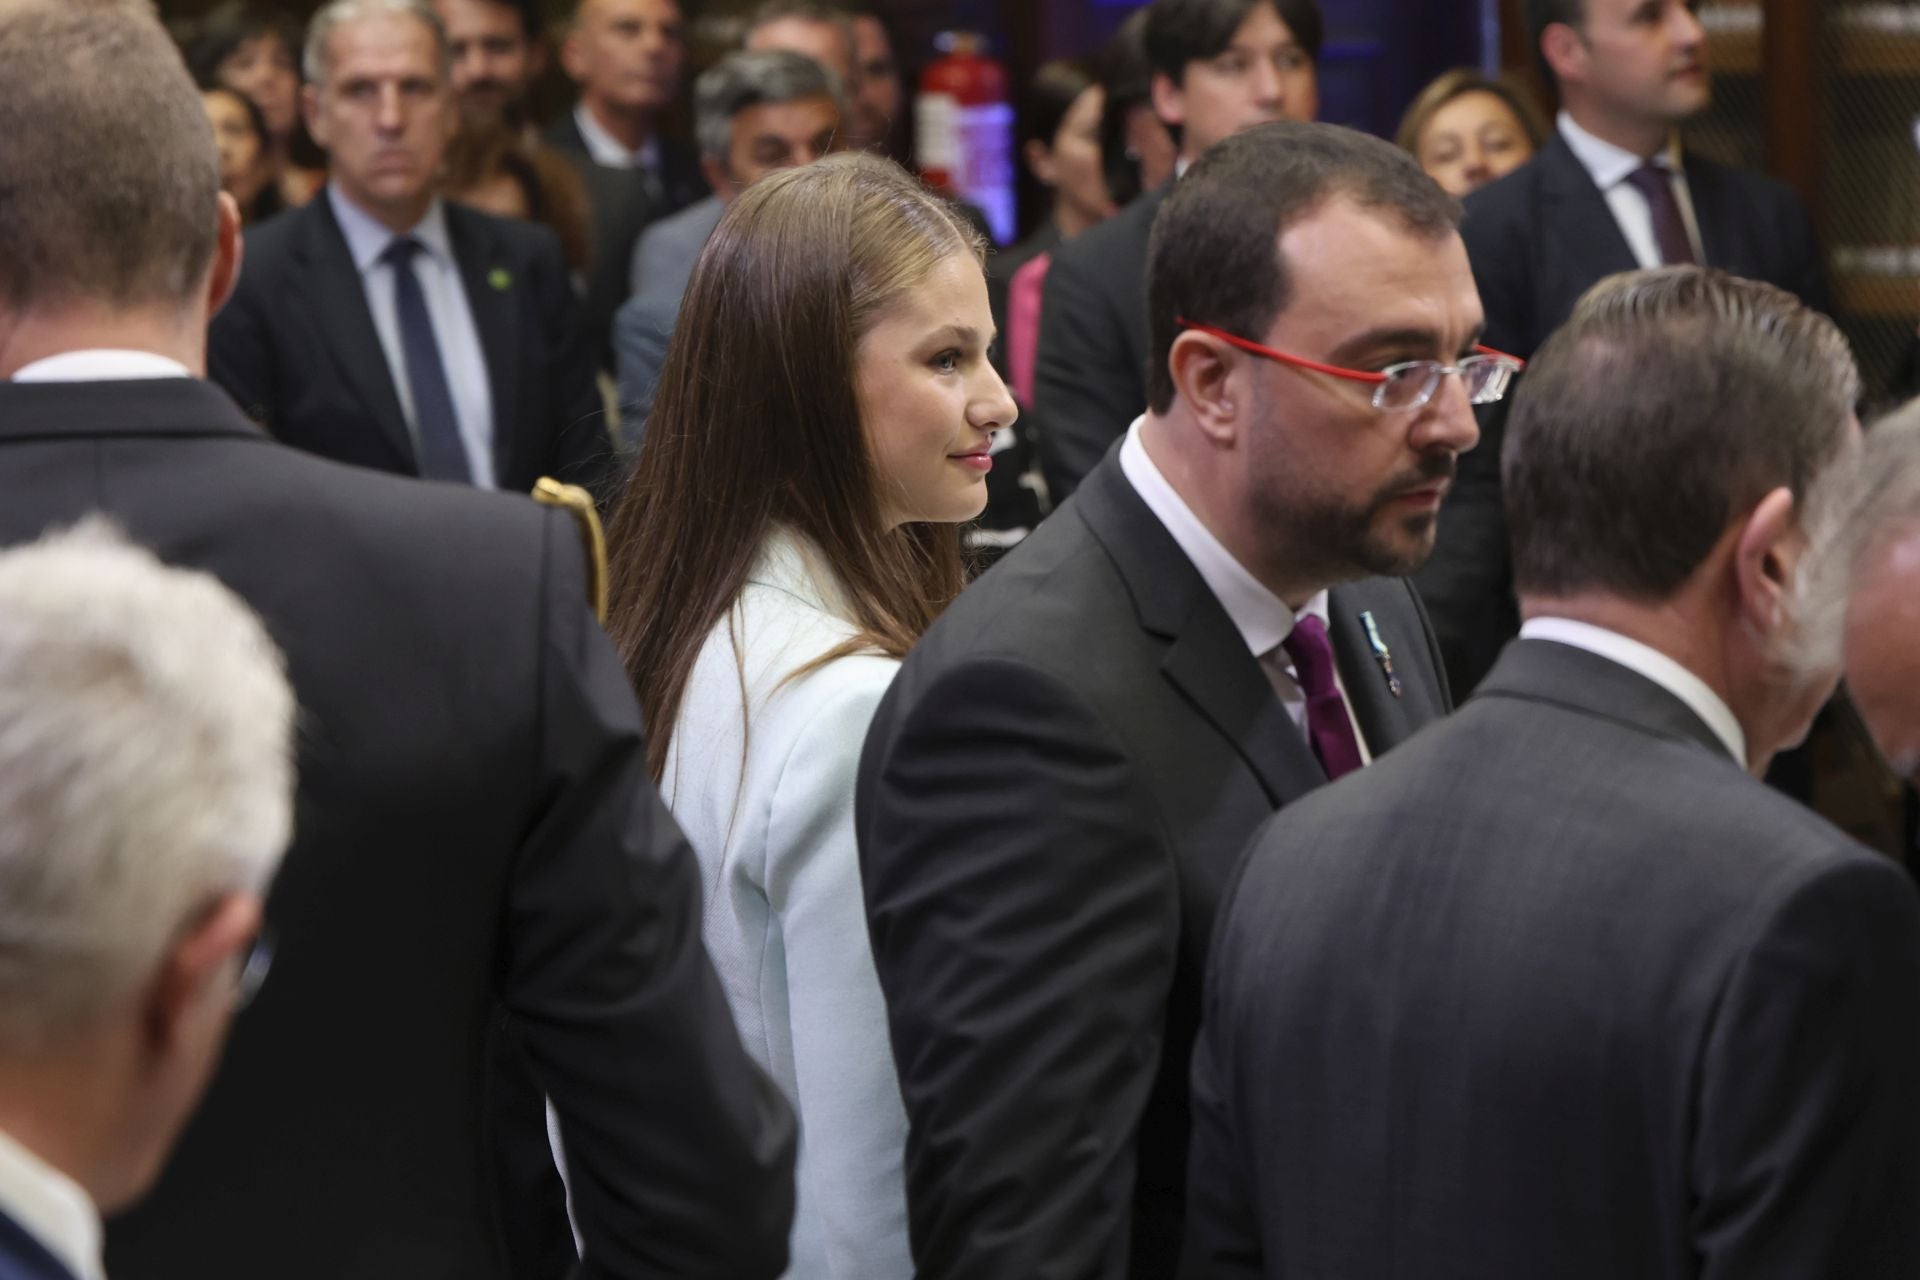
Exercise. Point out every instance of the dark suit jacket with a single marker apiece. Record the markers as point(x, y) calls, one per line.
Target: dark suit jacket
point(1090, 369)
point(1052, 795)
point(1557, 989)
point(297, 348)
point(1538, 239)
point(23, 1257)
point(622, 207)
point(479, 857)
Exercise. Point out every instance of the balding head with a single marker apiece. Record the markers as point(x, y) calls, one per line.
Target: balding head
point(111, 180)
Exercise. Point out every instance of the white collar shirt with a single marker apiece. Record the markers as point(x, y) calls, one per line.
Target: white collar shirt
point(605, 149)
point(50, 1206)
point(1610, 166)
point(1263, 619)
point(454, 331)
point(1654, 665)
point(101, 364)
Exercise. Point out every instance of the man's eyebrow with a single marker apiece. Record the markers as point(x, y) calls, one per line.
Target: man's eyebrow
point(1379, 339)
point(1400, 339)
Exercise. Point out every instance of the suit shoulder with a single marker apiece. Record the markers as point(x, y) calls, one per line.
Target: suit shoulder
point(1123, 236)
point(522, 240)
point(270, 244)
point(1751, 187)
point(1503, 203)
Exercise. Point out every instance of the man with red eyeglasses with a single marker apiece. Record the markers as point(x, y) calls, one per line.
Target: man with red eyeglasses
point(1060, 781)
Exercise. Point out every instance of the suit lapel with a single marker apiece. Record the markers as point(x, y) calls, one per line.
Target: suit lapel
point(1206, 659)
point(339, 300)
point(495, 298)
point(1579, 214)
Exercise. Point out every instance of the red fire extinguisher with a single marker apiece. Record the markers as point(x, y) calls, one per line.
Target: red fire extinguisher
point(963, 126)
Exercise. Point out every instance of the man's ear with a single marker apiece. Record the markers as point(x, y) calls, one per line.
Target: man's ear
point(229, 248)
point(310, 113)
point(573, 59)
point(1039, 158)
point(718, 178)
point(1169, 100)
point(1565, 51)
point(1766, 554)
point(199, 968)
point(1205, 375)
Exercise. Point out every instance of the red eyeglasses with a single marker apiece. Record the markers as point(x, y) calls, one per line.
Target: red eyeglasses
point(1406, 386)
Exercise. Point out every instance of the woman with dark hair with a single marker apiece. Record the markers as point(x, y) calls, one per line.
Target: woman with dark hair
point(240, 137)
point(1466, 130)
point(258, 54)
point(1136, 149)
point(822, 425)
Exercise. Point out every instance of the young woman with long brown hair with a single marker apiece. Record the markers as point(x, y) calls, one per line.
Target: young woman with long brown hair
point(823, 422)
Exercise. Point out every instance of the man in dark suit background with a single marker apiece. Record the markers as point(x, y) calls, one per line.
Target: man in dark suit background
point(1060, 779)
point(131, 874)
point(430, 339)
point(1219, 66)
point(483, 886)
point(1612, 190)
point(1560, 988)
point(626, 57)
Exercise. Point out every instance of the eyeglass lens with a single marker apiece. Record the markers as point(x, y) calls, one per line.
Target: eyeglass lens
point(1411, 386)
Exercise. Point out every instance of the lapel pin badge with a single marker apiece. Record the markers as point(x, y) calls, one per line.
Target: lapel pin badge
point(1381, 654)
point(500, 279)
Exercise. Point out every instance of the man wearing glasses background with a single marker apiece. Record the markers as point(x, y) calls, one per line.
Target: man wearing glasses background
point(1061, 779)
point(146, 798)
point(1561, 988)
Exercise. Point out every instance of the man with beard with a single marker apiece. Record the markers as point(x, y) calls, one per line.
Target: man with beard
point(1561, 989)
point(1067, 767)
point(497, 55)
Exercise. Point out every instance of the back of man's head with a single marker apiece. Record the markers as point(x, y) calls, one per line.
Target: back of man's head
point(145, 772)
point(110, 176)
point(1214, 257)
point(1180, 32)
point(1667, 407)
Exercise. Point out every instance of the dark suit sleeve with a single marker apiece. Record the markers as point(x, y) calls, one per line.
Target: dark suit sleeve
point(679, 1150)
point(1223, 1227)
point(1023, 920)
point(1807, 1156)
point(240, 353)
point(576, 419)
point(1083, 385)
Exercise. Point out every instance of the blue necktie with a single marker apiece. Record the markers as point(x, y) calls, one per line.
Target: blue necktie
point(442, 454)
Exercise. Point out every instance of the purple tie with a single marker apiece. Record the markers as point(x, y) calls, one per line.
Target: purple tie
point(1669, 228)
point(1328, 727)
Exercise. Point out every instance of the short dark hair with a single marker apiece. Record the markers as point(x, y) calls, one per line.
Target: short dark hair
point(1056, 86)
point(1669, 403)
point(1182, 31)
point(216, 37)
point(112, 180)
point(1214, 257)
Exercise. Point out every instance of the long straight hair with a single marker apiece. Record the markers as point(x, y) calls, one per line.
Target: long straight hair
point(756, 423)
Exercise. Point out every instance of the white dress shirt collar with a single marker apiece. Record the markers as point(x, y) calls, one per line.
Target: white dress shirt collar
point(1263, 619)
point(609, 150)
point(1609, 165)
point(52, 1208)
point(101, 364)
point(1655, 666)
point(368, 237)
